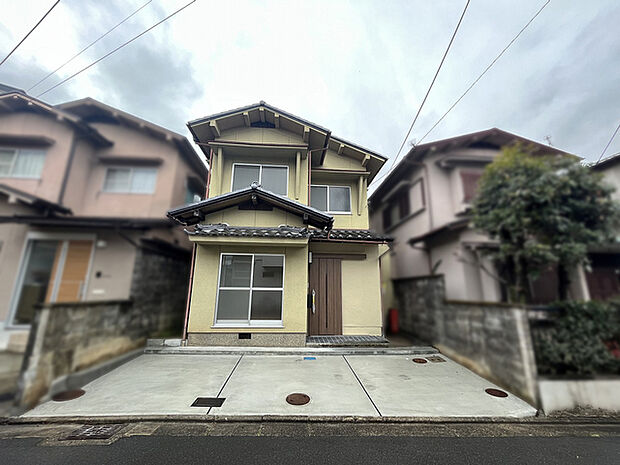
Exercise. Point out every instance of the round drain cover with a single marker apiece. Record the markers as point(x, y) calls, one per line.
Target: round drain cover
point(298, 398)
point(419, 360)
point(495, 392)
point(68, 395)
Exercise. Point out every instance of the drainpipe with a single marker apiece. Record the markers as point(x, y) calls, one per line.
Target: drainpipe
point(189, 295)
point(209, 174)
point(65, 177)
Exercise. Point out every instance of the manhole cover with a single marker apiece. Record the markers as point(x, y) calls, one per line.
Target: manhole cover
point(297, 399)
point(68, 395)
point(419, 360)
point(93, 432)
point(495, 392)
point(208, 401)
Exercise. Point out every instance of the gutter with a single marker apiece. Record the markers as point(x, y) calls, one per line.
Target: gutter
point(65, 177)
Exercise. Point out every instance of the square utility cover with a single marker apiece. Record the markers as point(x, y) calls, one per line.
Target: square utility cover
point(208, 401)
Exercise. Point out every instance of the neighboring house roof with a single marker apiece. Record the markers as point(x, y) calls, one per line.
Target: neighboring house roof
point(456, 225)
point(18, 102)
point(287, 232)
point(607, 162)
point(33, 200)
point(194, 213)
point(89, 222)
point(6, 89)
point(491, 138)
point(206, 129)
point(93, 111)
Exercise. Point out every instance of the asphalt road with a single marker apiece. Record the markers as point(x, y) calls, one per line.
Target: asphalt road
point(320, 450)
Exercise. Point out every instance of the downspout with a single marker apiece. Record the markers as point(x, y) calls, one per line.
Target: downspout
point(65, 177)
point(189, 295)
point(209, 174)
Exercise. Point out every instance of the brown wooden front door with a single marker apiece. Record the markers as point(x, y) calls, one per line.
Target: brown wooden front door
point(325, 280)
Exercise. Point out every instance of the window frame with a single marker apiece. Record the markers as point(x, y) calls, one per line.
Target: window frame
point(260, 174)
point(16, 151)
point(248, 322)
point(131, 172)
point(329, 186)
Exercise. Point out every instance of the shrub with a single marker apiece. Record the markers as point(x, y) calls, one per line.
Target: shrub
point(580, 340)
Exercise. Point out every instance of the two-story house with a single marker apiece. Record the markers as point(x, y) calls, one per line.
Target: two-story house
point(424, 205)
point(282, 245)
point(84, 190)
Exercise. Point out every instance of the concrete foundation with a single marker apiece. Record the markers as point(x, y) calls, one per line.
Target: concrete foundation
point(255, 340)
point(557, 394)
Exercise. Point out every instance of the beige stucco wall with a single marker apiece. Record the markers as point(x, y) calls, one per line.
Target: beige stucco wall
point(56, 155)
point(204, 289)
point(258, 218)
point(361, 289)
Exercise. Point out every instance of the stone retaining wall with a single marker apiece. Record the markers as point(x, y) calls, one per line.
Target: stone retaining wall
point(492, 339)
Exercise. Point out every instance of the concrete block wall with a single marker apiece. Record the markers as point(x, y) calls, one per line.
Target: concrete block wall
point(490, 338)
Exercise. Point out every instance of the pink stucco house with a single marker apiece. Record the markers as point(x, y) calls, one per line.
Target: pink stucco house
point(84, 189)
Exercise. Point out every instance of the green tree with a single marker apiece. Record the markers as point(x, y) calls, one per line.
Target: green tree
point(542, 210)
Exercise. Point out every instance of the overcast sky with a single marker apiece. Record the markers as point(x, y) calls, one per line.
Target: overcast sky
point(359, 68)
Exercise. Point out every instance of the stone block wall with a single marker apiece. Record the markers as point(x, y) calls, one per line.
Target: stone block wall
point(492, 339)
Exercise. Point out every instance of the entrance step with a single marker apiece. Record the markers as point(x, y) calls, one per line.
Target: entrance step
point(301, 351)
point(346, 341)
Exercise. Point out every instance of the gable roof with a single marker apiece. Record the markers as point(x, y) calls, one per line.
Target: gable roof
point(91, 111)
point(607, 162)
point(317, 138)
point(195, 213)
point(492, 138)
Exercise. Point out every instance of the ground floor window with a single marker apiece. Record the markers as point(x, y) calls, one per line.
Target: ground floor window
point(250, 289)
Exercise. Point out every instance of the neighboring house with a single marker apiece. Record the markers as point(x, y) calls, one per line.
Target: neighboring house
point(604, 276)
point(84, 189)
point(282, 245)
point(424, 205)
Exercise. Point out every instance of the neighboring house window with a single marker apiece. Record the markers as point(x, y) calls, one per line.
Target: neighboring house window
point(193, 188)
point(251, 289)
point(331, 199)
point(270, 177)
point(130, 180)
point(470, 180)
point(21, 163)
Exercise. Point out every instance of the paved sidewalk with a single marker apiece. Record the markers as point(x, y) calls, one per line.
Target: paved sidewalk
point(338, 386)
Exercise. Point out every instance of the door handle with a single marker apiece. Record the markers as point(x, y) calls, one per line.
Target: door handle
point(313, 298)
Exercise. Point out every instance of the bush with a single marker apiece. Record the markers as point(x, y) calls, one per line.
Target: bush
point(580, 341)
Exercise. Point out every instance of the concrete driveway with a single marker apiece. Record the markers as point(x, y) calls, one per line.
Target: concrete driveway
point(350, 385)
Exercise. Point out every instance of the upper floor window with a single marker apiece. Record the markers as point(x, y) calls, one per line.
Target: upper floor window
point(194, 190)
point(331, 199)
point(273, 178)
point(21, 163)
point(130, 180)
point(470, 179)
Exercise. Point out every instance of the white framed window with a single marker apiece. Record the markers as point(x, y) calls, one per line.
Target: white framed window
point(273, 178)
point(21, 163)
point(250, 290)
point(130, 180)
point(331, 199)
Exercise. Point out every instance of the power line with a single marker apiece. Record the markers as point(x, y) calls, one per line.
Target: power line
point(87, 47)
point(29, 32)
point(116, 49)
point(608, 143)
point(431, 86)
point(474, 82)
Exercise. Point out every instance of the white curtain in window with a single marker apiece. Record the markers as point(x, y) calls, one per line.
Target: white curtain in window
point(143, 180)
point(6, 161)
point(117, 180)
point(29, 163)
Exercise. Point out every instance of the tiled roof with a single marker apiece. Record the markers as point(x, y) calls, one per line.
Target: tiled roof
point(350, 235)
point(224, 230)
point(287, 232)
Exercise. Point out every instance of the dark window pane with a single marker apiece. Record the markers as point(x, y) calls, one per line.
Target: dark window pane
point(268, 271)
point(403, 204)
point(236, 271)
point(339, 199)
point(470, 184)
point(233, 305)
point(266, 305)
point(36, 279)
point(274, 179)
point(244, 176)
point(318, 197)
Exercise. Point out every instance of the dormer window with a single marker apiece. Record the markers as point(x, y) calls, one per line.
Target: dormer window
point(130, 180)
point(273, 178)
point(21, 163)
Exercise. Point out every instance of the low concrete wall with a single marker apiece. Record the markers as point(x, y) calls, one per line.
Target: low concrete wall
point(69, 337)
point(556, 394)
point(491, 339)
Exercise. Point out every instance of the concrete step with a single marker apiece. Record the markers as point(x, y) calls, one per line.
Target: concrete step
point(199, 350)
